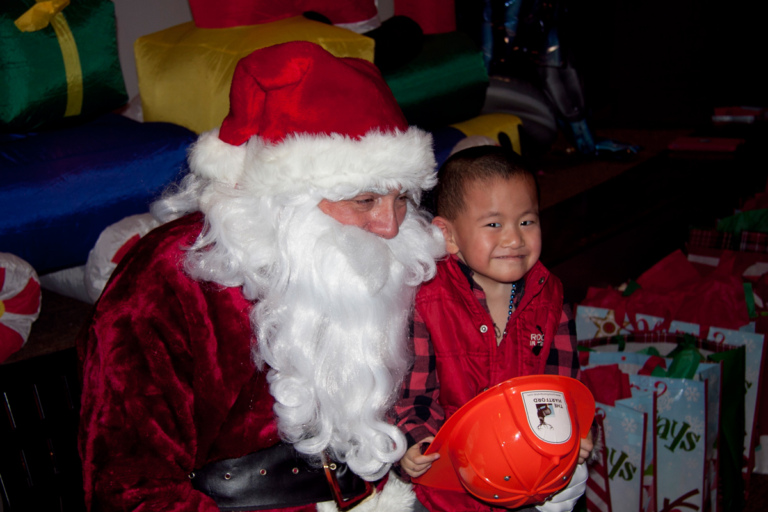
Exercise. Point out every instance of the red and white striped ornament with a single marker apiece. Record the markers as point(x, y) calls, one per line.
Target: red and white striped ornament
point(20, 299)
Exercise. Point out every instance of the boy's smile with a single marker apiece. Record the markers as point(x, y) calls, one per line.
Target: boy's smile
point(498, 234)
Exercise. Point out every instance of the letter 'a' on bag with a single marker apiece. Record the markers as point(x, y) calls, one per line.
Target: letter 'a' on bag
point(515, 444)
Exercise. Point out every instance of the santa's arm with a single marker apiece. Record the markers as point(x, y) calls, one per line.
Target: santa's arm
point(137, 434)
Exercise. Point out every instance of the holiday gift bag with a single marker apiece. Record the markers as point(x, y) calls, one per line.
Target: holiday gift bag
point(744, 255)
point(673, 290)
point(683, 409)
point(600, 322)
point(694, 437)
point(645, 402)
point(59, 62)
point(625, 442)
point(624, 477)
point(681, 441)
point(598, 492)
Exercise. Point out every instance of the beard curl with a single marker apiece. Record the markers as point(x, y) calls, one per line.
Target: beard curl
point(332, 313)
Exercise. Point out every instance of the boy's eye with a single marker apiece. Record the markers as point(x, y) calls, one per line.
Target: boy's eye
point(494, 224)
point(528, 223)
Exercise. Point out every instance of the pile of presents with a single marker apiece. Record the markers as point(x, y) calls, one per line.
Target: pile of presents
point(676, 361)
point(79, 159)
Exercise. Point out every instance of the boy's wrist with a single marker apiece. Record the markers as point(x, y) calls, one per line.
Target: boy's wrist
point(417, 434)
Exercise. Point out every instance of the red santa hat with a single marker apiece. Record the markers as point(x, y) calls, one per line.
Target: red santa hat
point(302, 119)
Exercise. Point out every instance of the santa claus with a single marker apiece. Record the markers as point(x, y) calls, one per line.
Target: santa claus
point(245, 354)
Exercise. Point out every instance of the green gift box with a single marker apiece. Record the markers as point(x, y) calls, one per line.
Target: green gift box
point(59, 63)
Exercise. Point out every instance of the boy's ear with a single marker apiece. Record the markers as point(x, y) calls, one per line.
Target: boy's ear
point(447, 228)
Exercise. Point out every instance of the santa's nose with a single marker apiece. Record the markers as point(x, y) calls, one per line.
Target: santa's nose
point(386, 218)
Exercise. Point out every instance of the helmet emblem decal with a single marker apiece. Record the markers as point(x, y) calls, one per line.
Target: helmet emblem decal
point(548, 416)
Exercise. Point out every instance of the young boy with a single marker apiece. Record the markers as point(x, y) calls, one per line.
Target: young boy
point(493, 312)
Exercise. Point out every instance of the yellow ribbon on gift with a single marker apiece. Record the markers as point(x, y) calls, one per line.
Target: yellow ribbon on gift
point(48, 12)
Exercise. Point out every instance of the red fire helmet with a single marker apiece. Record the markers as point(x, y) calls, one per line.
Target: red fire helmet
point(515, 444)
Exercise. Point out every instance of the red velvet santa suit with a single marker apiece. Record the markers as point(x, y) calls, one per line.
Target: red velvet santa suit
point(168, 382)
point(168, 379)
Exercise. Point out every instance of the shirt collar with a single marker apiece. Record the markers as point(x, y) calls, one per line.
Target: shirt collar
point(468, 273)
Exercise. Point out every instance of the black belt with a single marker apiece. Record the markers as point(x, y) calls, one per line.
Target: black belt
point(278, 477)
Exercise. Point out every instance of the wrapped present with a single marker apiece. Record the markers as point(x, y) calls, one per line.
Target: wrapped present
point(185, 72)
point(59, 62)
point(233, 13)
point(499, 126)
point(749, 220)
point(674, 290)
point(485, 128)
point(63, 187)
point(444, 84)
point(20, 298)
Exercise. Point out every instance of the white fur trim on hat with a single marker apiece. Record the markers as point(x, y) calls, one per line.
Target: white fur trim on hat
point(304, 162)
point(211, 157)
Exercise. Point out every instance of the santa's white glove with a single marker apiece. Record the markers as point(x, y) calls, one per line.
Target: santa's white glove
point(565, 500)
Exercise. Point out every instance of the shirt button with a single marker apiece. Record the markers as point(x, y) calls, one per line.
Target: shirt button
point(541, 281)
point(483, 329)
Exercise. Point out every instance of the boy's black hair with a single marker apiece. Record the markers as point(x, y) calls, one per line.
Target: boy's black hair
point(478, 163)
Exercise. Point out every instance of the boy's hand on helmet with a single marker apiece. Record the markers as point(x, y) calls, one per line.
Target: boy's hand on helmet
point(414, 463)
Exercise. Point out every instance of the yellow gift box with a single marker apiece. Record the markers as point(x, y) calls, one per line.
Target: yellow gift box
point(491, 126)
point(185, 72)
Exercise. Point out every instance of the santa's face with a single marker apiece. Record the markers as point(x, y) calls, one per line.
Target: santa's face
point(377, 213)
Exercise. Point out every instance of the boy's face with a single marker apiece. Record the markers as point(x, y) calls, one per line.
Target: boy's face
point(498, 234)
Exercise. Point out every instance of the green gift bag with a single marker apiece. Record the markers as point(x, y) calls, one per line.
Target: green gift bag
point(58, 63)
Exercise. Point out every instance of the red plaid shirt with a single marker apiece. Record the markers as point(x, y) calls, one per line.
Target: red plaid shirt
point(418, 411)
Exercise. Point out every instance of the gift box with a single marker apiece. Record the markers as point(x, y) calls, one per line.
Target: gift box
point(59, 62)
point(185, 72)
point(61, 188)
point(233, 13)
point(444, 83)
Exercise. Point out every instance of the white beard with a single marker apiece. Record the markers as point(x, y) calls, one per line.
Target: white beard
point(331, 318)
point(333, 329)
